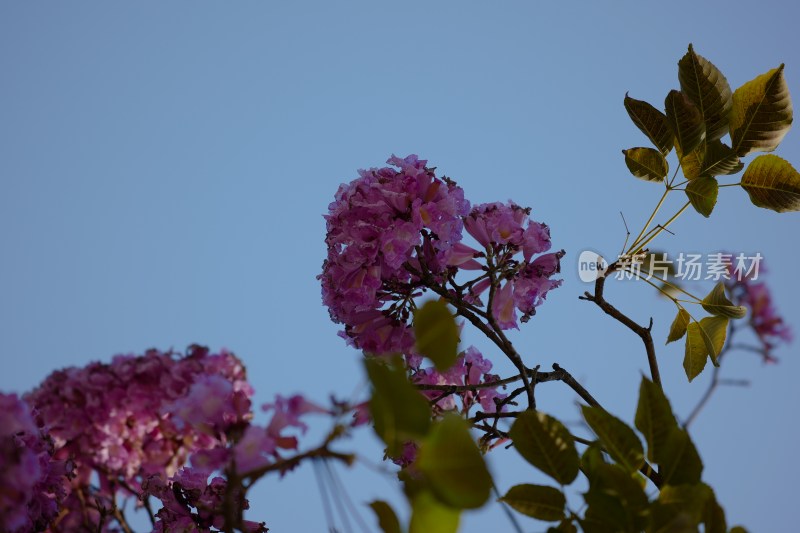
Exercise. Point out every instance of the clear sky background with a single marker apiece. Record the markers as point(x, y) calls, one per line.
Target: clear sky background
point(164, 168)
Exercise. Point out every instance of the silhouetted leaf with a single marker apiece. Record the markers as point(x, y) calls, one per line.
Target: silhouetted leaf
point(654, 418)
point(718, 304)
point(428, 514)
point(714, 516)
point(453, 465)
point(399, 411)
point(680, 462)
point(686, 122)
point(646, 163)
point(436, 332)
point(690, 499)
point(537, 501)
point(708, 89)
point(613, 480)
point(761, 114)
point(619, 440)
point(651, 122)
point(702, 193)
point(387, 519)
point(545, 443)
point(772, 183)
point(678, 328)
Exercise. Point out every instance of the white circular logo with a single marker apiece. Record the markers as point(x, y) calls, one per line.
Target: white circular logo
point(591, 266)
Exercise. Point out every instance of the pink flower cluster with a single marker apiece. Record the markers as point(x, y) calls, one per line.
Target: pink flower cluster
point(376, 226)
point(130, 428)
point(392, 233)
point(32, 483)
point(763, 319)
point(504, 230)
point(470, 368)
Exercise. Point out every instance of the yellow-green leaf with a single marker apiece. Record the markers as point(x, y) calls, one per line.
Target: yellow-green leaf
point(619, 440)
point(453, 465)
point(429, 514)
point(387, 519)
point(654, 417)
point(545, 443)
point(714, 329)
point(708, 89)
point(537, 501)
point(772, 183)
point(399, 411)
point(692, 163)
point(646, 163)
point(718, 304)
point(685, 121)
point(678, 328)
point(696, 354)
point(702, 193)
point(651, 122)
point(761, 114)
point(436, 332)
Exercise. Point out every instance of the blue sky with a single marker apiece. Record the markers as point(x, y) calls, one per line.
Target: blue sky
point(164, 169)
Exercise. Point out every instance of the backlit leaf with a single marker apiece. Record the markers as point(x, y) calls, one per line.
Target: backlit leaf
point(436, 332)
point(686, 122)
point(678, 328)
point(429, 514)
point(646, 163)
point(387, 519)
point(453, 465)
point(718, 304)
point(707, 88)
point(702, 193)
point(696, 354)
point(772, 183)
point(619, 440)
point(536, 501)
point(545, 443)
point(761, 114)
point(680, 462)
point(654, 417)
point(651, 122)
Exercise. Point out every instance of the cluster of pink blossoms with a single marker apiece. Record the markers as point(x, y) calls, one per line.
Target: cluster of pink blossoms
point(470, 368)
point(769, 327)
point(129, 429)
point(32, 483)
point(375, 229)
point(391, 233)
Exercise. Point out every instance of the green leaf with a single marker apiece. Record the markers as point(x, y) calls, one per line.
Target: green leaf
point(387, 519)
point(679, 460)
point(654, 418)
point(436, 332)
point(708, 90)
point(664, 518)
point(399, 411)
point(772, 183)
point(738, 529)
point(714, 329)
point(714, 515)
point(591, 459)
point(690, 499)
point(546, 444)
point(678, 328)
point(537, 501)
point(702, 193)
point(605, 513)
point(761, 114)
point(612, 480)
point(696, 354)
point(428, 514)
point(646, 163)
point(718, 304)
point(685, 121)
point(619, 440)
point(720, 160)
point(453, 465)
point(651, 122)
